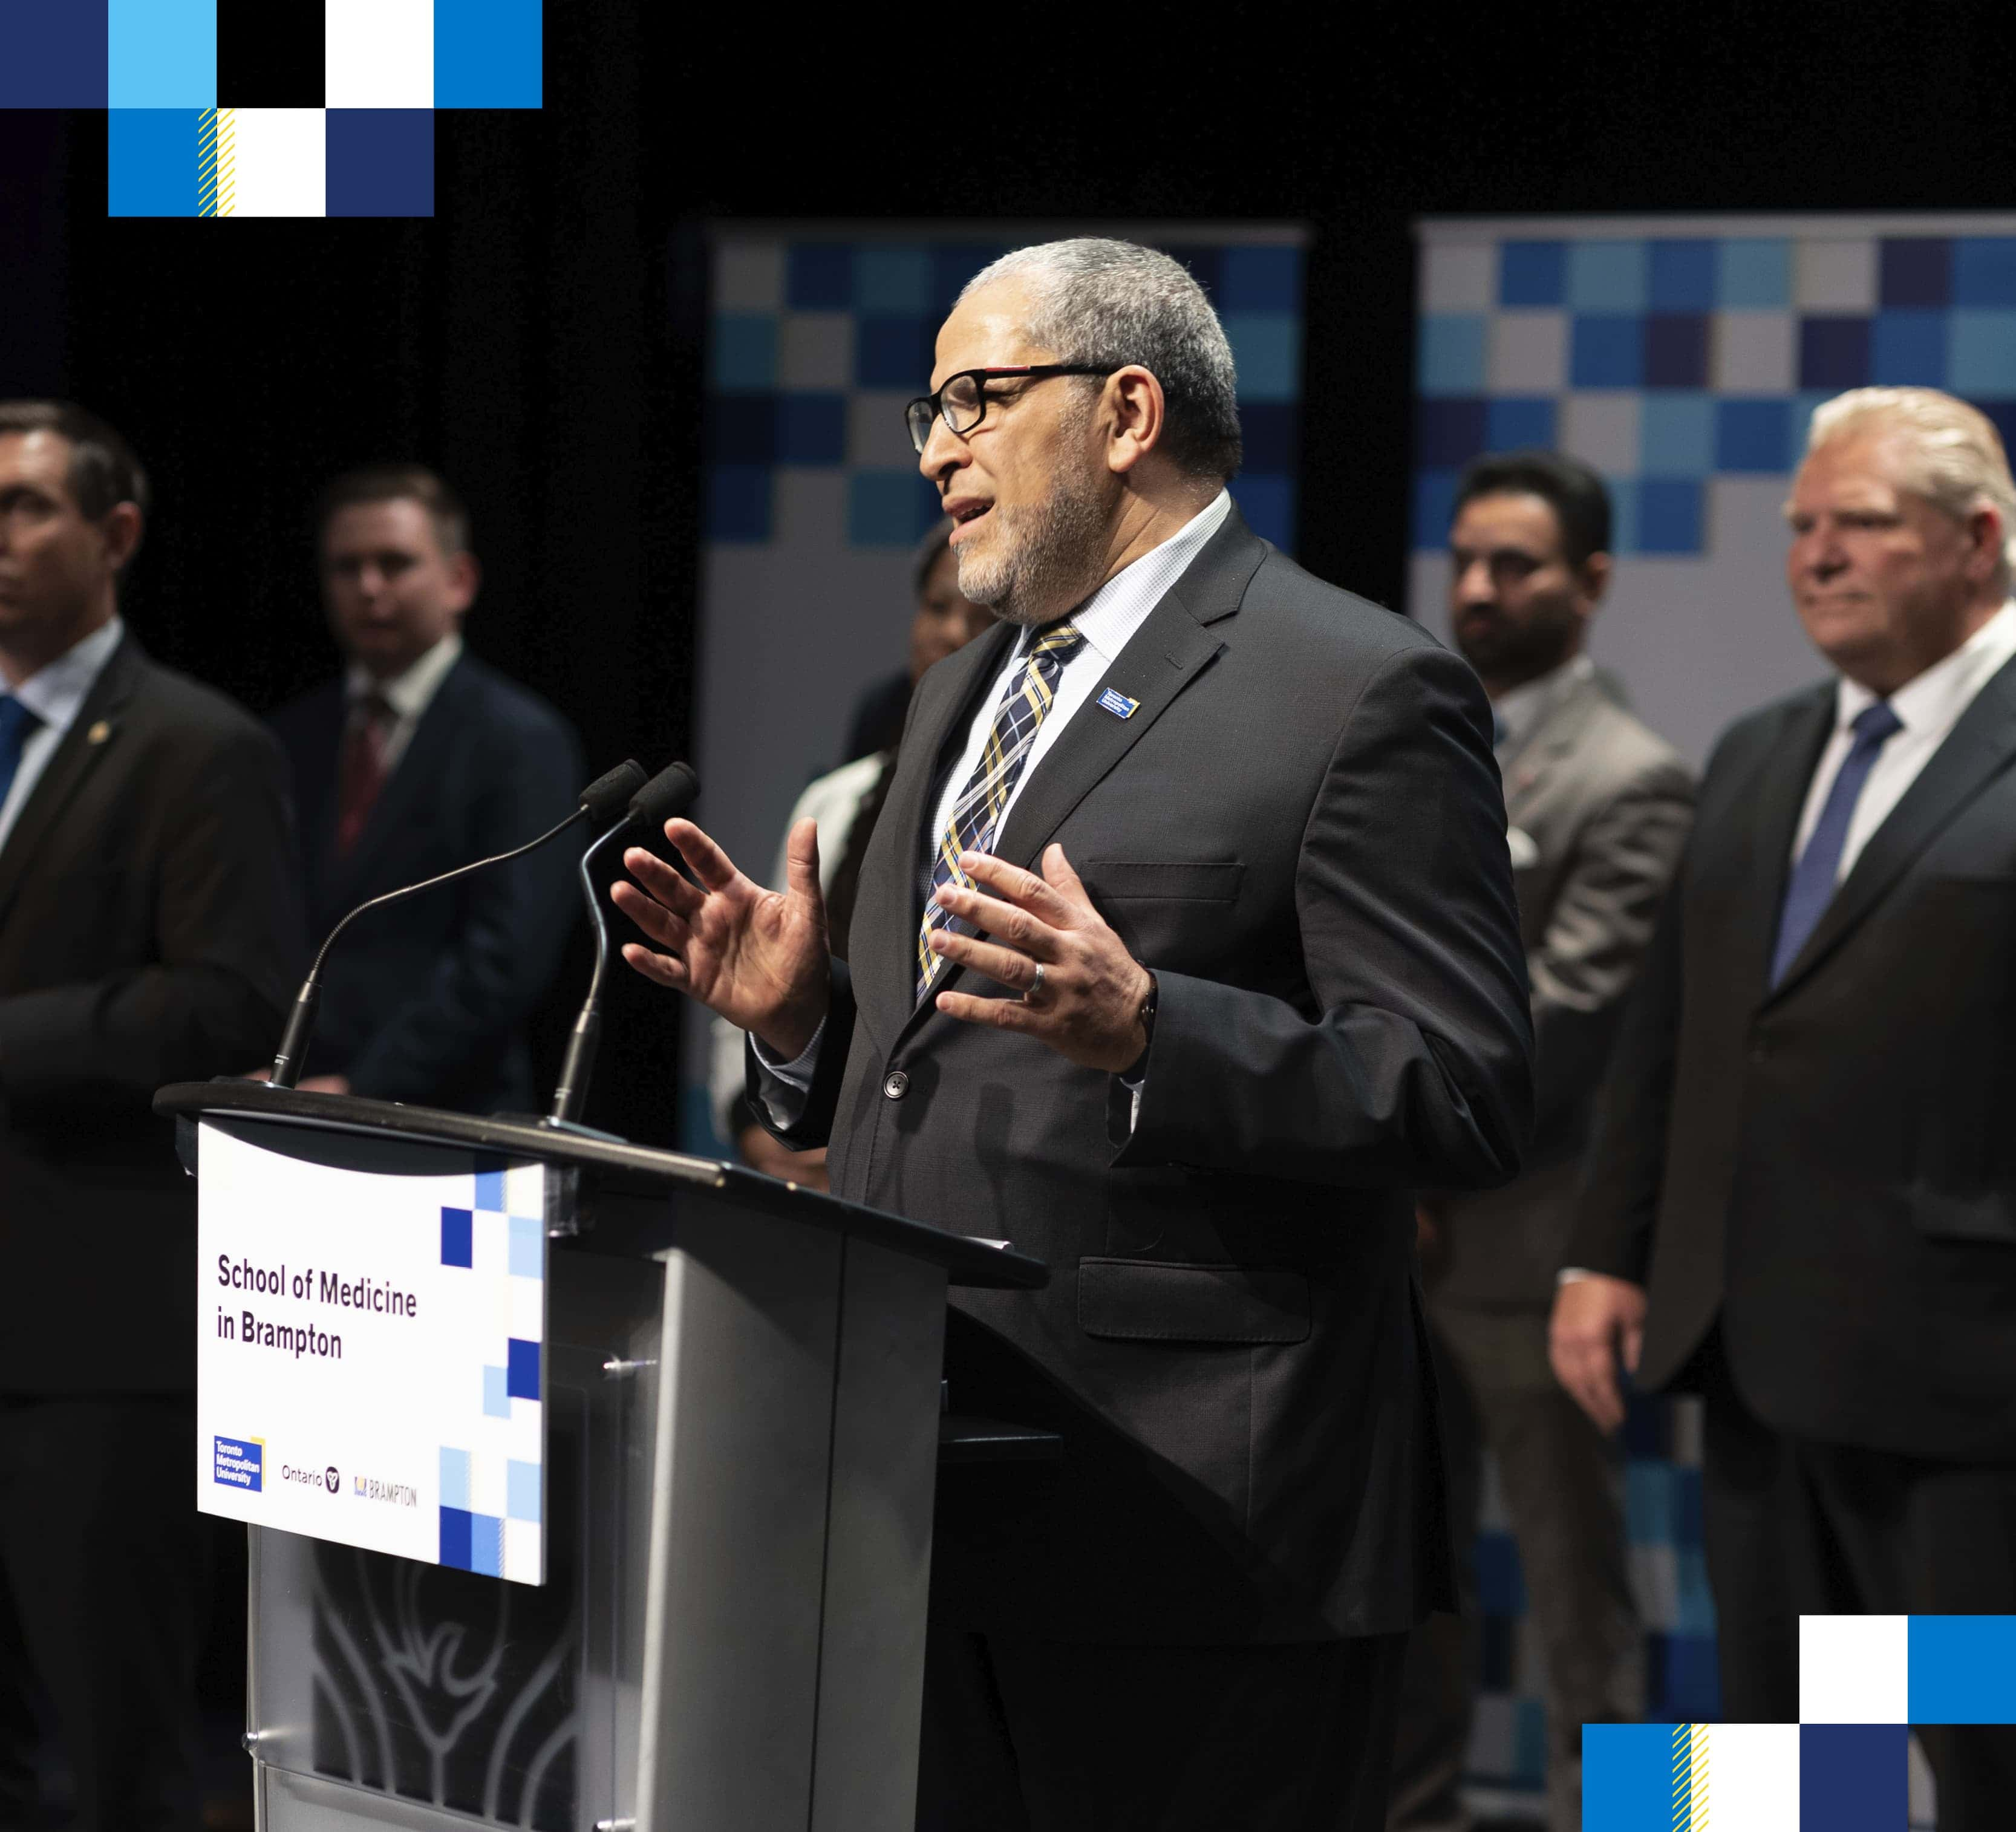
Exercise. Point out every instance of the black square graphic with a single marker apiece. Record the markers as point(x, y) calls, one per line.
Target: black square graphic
point(270, 54)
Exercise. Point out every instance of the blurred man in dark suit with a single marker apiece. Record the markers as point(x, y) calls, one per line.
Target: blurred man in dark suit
point(1598, 808)
point(1185, 950)
point(150, 929)
point(419, 759)
point(1802, 1198)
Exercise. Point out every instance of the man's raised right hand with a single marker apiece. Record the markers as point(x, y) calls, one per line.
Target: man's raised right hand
point(757, 957)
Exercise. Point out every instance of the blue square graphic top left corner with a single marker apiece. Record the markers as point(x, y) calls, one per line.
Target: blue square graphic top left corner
point(153, 162)
point(457, 1237)
point(160, 53)
point(55, 55)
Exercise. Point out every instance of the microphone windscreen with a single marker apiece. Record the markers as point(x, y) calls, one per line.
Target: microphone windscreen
point(670, 792)
point(610, 794)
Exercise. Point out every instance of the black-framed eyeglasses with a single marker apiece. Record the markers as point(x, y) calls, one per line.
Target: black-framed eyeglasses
point(961, 401)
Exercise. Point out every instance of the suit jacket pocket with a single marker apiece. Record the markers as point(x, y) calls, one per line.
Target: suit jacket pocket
point(1181, 881)
point(1987, 1216)
point(1131, 1299)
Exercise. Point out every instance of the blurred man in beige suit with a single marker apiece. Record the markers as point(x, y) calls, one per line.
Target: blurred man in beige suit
point(1597, 810)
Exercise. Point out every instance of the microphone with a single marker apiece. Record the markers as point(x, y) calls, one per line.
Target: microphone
point(595, 804)
point(670, 792)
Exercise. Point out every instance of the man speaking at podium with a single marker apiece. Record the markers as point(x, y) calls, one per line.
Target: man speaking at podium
point(1185, 948)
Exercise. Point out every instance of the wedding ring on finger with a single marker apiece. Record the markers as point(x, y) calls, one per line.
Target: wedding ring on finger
point(1035, 986)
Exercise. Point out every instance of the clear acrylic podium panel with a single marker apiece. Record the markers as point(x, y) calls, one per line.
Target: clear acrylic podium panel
point(444, 1690)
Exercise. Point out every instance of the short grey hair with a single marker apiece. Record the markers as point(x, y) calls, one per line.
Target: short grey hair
point(1098, 301)
point(1954, 456)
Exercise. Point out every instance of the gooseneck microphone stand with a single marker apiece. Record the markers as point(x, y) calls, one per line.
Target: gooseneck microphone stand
point(605, 793)
point(669, 792)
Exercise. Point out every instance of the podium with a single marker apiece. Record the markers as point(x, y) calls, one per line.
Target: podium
point(742, 1423)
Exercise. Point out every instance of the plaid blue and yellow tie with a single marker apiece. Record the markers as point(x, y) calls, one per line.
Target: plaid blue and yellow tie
point(976, 816)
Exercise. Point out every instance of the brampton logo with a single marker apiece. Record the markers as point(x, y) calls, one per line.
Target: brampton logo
point(239, 1462)
point(184, 83)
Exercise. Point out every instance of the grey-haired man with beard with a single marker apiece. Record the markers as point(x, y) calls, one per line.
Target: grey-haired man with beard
point(1185, 949)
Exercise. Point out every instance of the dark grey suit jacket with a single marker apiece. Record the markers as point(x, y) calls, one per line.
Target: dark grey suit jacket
point(1300, 830)
point(428, 1001)
point(150, 931)
point(1829, 1168)
point(1600, 807)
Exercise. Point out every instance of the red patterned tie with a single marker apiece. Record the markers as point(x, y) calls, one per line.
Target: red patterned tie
point(362, 775)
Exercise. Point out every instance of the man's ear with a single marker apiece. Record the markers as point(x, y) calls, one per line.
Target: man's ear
point(1988, 537)
point(1134, 398)
point(123, 526)
point(465, 573)
point(1595, 574)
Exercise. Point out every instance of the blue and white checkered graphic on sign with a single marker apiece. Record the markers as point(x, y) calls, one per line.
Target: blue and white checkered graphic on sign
point(1669, 362)
point(1683, 360)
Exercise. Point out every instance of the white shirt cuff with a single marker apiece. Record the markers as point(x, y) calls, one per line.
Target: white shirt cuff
point(784, 1086)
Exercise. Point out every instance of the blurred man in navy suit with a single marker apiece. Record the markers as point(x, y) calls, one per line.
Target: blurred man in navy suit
point(418, 759)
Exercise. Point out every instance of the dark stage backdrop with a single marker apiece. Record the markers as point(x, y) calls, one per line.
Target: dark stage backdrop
point(538, 340)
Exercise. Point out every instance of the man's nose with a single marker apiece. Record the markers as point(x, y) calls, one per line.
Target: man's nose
point(943, 451)
point(1473, 584)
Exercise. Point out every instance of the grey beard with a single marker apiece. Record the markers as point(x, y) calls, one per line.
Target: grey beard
point(1052, 563)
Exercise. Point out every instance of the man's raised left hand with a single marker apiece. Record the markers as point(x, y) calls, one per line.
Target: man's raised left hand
point(1088, 1007)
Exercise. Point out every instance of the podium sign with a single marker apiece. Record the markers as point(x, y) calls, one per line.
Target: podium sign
point(371, 1348)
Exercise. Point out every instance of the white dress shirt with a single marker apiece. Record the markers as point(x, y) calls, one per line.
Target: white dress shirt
point(54, 693)
point(1108, 619)
point(1929, 707)
point(408, 695)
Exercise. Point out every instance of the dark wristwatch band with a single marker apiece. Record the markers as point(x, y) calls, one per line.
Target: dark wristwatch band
point(1145, 1018)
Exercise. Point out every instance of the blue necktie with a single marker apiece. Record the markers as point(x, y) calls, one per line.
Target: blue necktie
point(1813, 885)
point(16, 723)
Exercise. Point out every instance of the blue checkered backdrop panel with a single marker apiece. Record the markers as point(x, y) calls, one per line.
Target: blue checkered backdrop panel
point(1682, 359)
point(817, 338)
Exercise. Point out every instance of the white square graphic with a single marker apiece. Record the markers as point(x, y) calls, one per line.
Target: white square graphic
point(1528, 353)
point(1855, 1670)
point(1459, 276)
point(815, 349)
point(749, 276)
point(1835, 275)
point(379, 53)
point(1601, 429)
point(279, 165)
point(1753, 353)
point(1750, 1777)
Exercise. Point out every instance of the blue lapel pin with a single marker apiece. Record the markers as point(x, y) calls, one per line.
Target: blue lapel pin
point(1118, 704)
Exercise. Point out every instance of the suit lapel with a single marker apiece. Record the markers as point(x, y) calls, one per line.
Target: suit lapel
point(93, 734)
point(1172, 645)
point(1527, 774)
point(1978, 749)
point(1776, 803)
point(882, 936)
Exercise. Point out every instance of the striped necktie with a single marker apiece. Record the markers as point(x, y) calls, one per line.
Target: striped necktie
point(976, 814)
